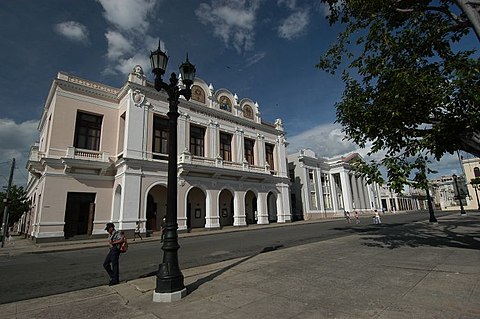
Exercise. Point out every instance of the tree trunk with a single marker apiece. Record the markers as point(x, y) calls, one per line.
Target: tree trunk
point(471, 8)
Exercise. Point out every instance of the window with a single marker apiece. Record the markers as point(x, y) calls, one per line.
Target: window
point(160, 136)
point(476, 172)
point(198, 94)
point(249, 144)
point(197, 140)
point(226, 146)
point(225, 104)
point(247, 112)
point(87, 131)
point(269, 155)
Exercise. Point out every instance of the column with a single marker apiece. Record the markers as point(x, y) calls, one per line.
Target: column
point(183, 134)
point(281, 153)
point(284, 215)
point(356, 201)
point(212, 217)
point(239, 218)
point(135, 127)
point(333, 193)
point(212, 138)
point(129, 205)
point(238, 146)
point(262, 212)
point(347, 191)
point(260, 150)
point(318, 176)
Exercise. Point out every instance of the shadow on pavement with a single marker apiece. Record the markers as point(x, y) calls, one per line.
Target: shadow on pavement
point(449, 233)
point(195, 285)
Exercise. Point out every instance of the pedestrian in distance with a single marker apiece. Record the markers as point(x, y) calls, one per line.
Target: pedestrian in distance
point(163, 228)
point(347, 216)
point(137, 231)
point(357, 218)
point(111, 263)
point(377, 218)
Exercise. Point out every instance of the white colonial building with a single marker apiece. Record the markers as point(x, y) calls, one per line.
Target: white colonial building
point(324, 188)
point(102, 156)
point(410, 199)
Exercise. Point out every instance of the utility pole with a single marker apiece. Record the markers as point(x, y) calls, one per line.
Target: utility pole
point(7, 202)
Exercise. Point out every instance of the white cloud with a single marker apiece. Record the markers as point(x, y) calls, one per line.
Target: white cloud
point(128, 15)
point(72, 30)
point(125, 66)
point(293, 26)
point(255, 58)
point(128, 33)
point(118, 45)
point(291, 4)
point(15, 143)
point(326, 140)
point(233, 21)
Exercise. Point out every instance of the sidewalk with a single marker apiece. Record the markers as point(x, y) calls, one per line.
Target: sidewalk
point(415, 270)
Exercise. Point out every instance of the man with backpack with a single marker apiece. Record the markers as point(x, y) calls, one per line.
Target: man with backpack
point(111, 263)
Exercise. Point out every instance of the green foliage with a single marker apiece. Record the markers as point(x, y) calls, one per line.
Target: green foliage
point(408, 92)
point(475, 181)
point(18, 204)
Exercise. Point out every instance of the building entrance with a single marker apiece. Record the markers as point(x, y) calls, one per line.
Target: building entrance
point(79, 214)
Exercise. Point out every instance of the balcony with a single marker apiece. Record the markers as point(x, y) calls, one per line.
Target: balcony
point(217, 167)
point(79, 160)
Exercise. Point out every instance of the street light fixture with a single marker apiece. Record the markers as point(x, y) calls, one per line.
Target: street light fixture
point(475, 186)
point(459, 196)
point(170, 286)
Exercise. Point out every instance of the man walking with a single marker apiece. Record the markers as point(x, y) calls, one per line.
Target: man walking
point(111, 263)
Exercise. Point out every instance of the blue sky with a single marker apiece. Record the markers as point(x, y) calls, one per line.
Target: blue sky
point(265, 50)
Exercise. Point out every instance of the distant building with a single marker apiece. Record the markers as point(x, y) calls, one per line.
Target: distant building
point(444, 192)
point(102, 156)
point(471, 167)
point(325, 188)
point(410, 199)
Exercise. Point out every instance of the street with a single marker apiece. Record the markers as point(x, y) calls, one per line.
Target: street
point(34, 275)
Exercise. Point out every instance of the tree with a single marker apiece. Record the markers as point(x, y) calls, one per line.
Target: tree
point(19, 203)
point(409, 90)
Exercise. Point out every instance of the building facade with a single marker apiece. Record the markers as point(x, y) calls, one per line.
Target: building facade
point(411, 199)
point(102, 157)
point(325, 188)
point(445, 192)
point(471, 167)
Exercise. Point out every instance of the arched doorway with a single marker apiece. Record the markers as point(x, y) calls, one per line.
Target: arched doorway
point(225, 208)
point(196, 200)
point(251, 208)
point(272, 207)
point(156, 207)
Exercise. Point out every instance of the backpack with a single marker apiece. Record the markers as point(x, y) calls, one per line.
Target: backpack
point(124, 245)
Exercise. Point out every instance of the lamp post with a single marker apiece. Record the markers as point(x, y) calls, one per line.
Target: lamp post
point(170, 286)
point(462, 211)
point(475, 186)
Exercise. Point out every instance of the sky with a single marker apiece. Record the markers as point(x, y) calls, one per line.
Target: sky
point(265, 50)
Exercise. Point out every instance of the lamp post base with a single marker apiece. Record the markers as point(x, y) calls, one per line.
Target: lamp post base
point(169, 296)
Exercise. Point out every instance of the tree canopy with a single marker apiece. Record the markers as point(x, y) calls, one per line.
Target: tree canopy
point(410, 92)
point(18, 204)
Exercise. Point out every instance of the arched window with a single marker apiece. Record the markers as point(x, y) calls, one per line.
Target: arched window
point(198, 94)
point(225, 104)
point(476, 172)
point(248, 112)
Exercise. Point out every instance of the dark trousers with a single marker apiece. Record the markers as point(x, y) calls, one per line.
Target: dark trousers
point(111, 265)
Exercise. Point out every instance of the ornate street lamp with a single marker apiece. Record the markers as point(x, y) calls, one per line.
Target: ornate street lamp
point(459, 196)
point(170, 286)
point(476, 185)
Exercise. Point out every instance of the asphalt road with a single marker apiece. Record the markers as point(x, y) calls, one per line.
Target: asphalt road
point(35, 275)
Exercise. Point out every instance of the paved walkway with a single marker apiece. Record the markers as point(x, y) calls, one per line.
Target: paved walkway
point(417, 270)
